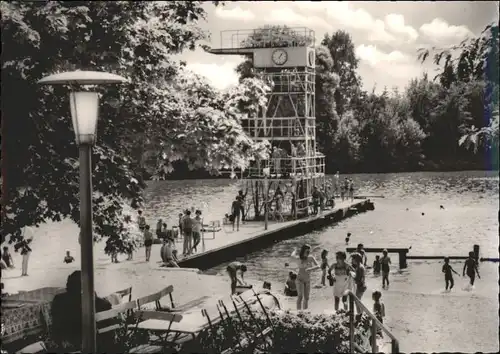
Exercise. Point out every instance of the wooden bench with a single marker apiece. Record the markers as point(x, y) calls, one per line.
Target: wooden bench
point(115, 312)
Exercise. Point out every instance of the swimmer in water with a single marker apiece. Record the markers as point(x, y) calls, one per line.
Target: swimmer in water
point(448, 276)
point(69, 258)
point(470, 267)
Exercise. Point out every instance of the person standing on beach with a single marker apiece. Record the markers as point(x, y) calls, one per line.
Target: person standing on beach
point(141, 221)
point(148, 241)
point(232, 270)
point(306, 264)
point(448, 276)
point(470, 267)
point(235, 212)
point(187, 226)
point(181, 216)
point(385, 263)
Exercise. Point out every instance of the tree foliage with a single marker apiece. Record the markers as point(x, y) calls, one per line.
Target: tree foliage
point(162, 103)
point(471, 69)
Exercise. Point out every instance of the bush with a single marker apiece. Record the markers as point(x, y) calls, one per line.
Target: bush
point(292, 333)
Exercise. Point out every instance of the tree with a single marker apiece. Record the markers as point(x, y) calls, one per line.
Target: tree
point(136, 40)
point(345, 64)
point(474, 60)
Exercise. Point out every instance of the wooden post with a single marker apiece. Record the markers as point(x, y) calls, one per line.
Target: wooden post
point(374, 337)
point(351, 323)
point(395, 346)
point(476, 253)
point(402, 259)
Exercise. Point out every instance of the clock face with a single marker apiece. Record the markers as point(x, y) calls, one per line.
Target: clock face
point(280, 56)
point(311, 58)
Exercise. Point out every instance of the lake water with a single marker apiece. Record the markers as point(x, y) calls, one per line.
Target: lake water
point(470, 216)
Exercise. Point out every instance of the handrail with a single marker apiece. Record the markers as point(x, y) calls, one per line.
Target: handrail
point(376, 324)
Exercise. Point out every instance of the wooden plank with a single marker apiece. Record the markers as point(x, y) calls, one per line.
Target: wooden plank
point(157, 315)
point(379, 249)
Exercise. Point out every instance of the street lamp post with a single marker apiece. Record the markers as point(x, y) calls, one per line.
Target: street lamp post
point(84, 113)
point(266, 172)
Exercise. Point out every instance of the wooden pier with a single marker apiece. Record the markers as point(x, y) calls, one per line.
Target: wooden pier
point(226, 245)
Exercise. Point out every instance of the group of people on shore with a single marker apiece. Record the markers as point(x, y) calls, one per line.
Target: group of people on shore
point(23, 247)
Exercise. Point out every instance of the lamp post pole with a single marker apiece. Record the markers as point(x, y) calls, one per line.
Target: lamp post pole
point(84, 113)
point(89, 344)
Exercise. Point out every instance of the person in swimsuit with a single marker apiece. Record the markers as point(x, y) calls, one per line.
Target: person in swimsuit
point(306, 263)
point(378, 309)
point(148, 241)
point(7, 258)
point(69, 258)
point(181, 216)
point(470, 267)
point(361, 250)
point(324, 266)
point(242, 200)
point(385, 263)
point(351, 189)
point(167, 255)
point(341, 271)
point(376, 265)
point(141, 221)
point(359, 277)
point(448, 276)
point(197, 226)
point(232, 270)
point(290, 285)
point(236, 212)
point(159, 226)
point(187, 226)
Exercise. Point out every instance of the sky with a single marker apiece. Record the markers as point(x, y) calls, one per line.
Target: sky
point(386, 35)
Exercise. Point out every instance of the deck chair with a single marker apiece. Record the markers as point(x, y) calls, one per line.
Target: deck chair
point(155, 298)
point(117, 297)
point(160, 330)
point(109, 321)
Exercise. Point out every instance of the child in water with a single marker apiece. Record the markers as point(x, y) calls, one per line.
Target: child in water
point(448, 276)
point(324, 266)
point(69, 258)
point(385, 263)
point(290, 286)
point(376, 265)
point(470, 267)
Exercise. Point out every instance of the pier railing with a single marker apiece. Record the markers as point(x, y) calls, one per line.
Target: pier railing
point(375, 325)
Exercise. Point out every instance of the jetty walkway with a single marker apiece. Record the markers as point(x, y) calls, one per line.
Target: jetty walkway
point(224, 245)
